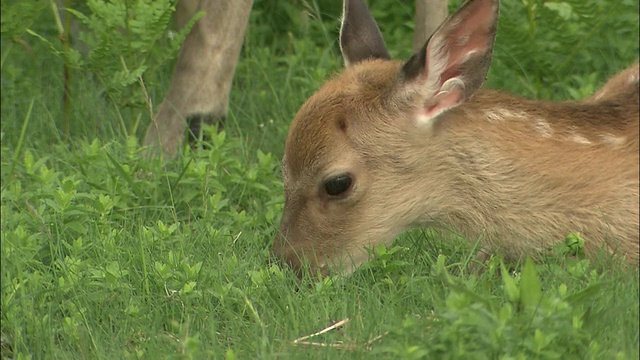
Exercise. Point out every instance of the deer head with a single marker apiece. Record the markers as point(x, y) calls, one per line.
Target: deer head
point(386, 145)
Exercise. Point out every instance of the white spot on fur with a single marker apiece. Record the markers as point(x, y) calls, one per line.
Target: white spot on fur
point(575, 137)
point(543, 128)
point(599, 95)
point(492, 116)
point(498, 115)
point(633, 78)
point(613, 140)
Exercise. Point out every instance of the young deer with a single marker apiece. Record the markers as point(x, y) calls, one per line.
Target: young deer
point(386, 146)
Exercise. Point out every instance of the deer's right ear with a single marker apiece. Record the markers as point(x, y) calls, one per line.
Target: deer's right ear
point(360, 37)
point(453, 64)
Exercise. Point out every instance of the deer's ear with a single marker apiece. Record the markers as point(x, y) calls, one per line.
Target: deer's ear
point(360, 38)
point(453, 64)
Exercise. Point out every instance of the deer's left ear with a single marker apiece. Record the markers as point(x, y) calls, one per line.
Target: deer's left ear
point(453, 64)
point(360, 37)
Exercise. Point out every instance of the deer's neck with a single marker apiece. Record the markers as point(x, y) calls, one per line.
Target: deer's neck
point(510, 169)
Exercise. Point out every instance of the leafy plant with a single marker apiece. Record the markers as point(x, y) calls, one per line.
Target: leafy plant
point(523, 320)
point(538, 54)
point(74, 230)
point(122, 38)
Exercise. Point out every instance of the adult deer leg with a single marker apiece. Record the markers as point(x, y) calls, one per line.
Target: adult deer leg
point(199, 90)
point(429, 15)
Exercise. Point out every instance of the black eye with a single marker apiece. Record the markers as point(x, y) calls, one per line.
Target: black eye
point(338, 185)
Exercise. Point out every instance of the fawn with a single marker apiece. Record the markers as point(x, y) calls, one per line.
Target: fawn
point(389, 145)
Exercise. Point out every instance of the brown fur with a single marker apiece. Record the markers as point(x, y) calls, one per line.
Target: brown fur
point(496, 179)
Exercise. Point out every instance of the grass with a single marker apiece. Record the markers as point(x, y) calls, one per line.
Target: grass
point(107, 255)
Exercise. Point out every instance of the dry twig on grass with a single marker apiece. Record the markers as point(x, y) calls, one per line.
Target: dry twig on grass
point(336, 345)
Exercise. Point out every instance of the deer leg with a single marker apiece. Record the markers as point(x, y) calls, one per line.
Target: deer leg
point(429, 15)
point(199, 90)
